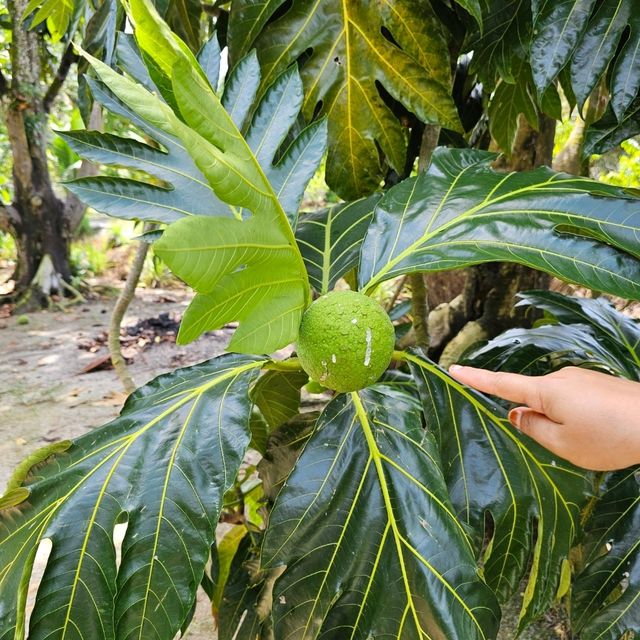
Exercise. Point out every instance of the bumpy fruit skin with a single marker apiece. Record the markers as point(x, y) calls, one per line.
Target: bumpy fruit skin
point(346, 341)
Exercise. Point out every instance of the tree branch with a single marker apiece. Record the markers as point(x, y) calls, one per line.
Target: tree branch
point(122, 304)
point(420, 309)
point(4, 84)
point(69, 57)
point(419, 300)
point(9, 217)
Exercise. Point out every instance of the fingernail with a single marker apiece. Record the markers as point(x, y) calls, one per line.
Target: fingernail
point(515, 417)
point(455, 367)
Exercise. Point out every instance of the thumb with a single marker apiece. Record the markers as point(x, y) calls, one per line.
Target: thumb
point(537, 426)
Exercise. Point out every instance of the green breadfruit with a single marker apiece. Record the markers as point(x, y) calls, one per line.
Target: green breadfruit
point(346, 341)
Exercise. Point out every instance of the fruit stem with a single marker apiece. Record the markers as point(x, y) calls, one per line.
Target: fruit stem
point(292, 364)
point(399, 355)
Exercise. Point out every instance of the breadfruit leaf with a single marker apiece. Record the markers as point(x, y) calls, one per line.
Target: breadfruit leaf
point(162, 468)
point(370, 541)
point(461, 212)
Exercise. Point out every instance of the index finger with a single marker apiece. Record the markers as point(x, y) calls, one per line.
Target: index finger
point(510, 386)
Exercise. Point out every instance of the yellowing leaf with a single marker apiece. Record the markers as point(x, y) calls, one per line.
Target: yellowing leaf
point(355, 48)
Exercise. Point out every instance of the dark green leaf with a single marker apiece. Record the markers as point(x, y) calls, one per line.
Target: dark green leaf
point(330, 240)
point(164, 464)
point(490, 467)
point(348, 55)
point(282, 451)
point(598, 45)
point(474, 8)
point(608, 133)
point(100, 33)
point(188, 620)
point(625, 80)
point(564, 78)
point(277, 394)
point(606, 592)
point(238, 608)
point(590, 333)
point(246, 21)
point(259, 431)
point(557, 28)
point(507, 103)
point(184, 18)
point(551, 103)
point(544, 348)
point(369, 539)
point(461, 212)
point(503, 40)
point(616, 331)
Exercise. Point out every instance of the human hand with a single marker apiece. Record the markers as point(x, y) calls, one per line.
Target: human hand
point(589, 418)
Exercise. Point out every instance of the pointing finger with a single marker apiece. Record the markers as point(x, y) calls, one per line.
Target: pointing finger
point(510, 386)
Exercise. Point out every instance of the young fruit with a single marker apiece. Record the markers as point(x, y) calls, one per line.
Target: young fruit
point(346, 341)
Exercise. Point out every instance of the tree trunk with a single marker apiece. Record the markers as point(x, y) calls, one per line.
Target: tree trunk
point(569, 158)
point(488, 297)
point(39, 224)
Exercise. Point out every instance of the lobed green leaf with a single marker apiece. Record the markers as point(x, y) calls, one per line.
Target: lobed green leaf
point(367, 534)
point(234, 288)
point(598, 45)
point(461, 212)
point(277, 395)
point(492, 468)
point(330, 240)
point(348, 55)
point(557, 29)
point(509, 100)
point(608, 132)
point(576, 331)
point(606, 594)
point(162, 467)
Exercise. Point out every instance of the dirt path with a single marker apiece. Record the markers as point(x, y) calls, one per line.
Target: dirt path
point(44, 396)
